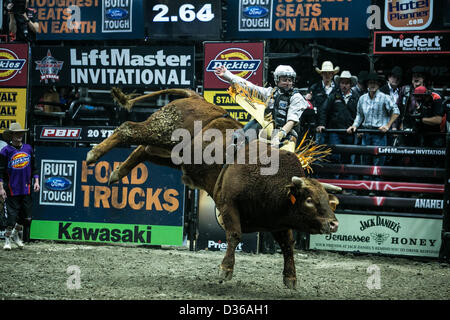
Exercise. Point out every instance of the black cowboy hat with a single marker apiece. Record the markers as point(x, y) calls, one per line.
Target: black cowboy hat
point(362, 75)
point(396, 72)
point(374, 77)
point(419, 70)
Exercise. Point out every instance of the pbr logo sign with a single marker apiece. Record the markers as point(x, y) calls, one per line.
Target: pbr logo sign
point(255, 15)
point(10, 64)
point(60, 133)
point(58, 182)
point(117, 15)
point(49, 68)
point(238, 61)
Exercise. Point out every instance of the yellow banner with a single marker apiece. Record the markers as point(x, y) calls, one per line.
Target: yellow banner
point(222, 99)
point(13, 107)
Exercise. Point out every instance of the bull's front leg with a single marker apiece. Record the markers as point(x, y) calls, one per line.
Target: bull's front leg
point(142, 153)
point(233, 233)
point(136, 157)
point(285, 239)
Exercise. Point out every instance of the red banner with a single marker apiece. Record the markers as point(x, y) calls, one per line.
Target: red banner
point(386, 186)
point(241, 58)
point(13, 65)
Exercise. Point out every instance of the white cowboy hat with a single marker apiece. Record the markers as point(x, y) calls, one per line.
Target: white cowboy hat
point(346, 75)
point(327, 66)
point(14, 127)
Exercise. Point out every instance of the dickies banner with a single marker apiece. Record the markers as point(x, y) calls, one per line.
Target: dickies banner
point(13, 65)
point(76, 203)
point(244, 59)
point(89, 19)
point(193, 19)
point(256, 19)
point(144, 67)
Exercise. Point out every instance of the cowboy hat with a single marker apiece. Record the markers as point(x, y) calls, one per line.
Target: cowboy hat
point(14, 127)
point(327, 66)
point(373, 76)
point(346, 75)
point(396, 72)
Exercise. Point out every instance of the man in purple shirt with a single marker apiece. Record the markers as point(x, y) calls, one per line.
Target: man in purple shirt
point(17, 170)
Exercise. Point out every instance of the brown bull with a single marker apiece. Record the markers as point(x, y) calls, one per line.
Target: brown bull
point(247, 200)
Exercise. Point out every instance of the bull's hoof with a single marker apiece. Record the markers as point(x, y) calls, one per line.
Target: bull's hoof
point(114, 177)
point(225, 274)
point(91, 157)
point(290, 283)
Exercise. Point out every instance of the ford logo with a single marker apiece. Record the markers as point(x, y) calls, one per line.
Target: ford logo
point(255, 12)
point(116, 13)
point(58, 183)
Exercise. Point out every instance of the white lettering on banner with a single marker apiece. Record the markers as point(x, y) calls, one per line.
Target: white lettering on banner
point(429, 204)
point(222, 245)
point(122, 58)
point(60, 133)
point(417, 41)
point(120, 67)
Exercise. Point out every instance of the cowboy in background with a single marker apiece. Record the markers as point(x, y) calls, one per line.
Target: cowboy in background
point(360, 87)
point(375, 110)
point(338, 112)
point(320, 91)
point(18, 175)
point(393, 85)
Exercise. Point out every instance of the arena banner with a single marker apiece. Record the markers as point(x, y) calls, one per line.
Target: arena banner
point(412, 42)
point(256, 19)
point(383, 234)
point(13, 107)
point(193, 19)
point(76, 203)
point(143, 67)
point(245, 59)
point(93, 134)
point(411, 15)
point(13, 65)
point(211, 236)
point(222, 99)
point(89, 19)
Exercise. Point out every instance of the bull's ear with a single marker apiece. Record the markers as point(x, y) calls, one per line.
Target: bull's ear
point(291, 192)
point(333, 201)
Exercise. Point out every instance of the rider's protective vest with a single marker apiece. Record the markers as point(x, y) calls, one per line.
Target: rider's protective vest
point(280, 106)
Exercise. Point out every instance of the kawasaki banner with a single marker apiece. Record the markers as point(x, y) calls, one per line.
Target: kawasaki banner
point(383, 234)
point(76, 203)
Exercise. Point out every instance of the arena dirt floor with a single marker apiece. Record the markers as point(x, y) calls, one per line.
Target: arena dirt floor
point(48, 270)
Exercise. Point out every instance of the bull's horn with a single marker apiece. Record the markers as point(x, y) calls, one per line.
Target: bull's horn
point(331, 187)
point(297, 181)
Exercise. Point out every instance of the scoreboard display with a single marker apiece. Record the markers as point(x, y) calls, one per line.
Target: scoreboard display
point(195, 19)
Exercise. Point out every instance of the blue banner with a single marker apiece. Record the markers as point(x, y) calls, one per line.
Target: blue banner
point(89, 19)
point(265, 19)
point(73, 191)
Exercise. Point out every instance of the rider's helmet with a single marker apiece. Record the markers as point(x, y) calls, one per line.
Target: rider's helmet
point(284, 70)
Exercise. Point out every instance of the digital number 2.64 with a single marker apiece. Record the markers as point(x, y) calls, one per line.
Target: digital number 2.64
point(186, 13)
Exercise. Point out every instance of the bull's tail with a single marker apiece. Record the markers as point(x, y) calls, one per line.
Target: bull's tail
point(128, 100)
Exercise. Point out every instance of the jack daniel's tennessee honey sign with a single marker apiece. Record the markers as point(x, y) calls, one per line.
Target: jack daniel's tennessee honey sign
point(408, 14)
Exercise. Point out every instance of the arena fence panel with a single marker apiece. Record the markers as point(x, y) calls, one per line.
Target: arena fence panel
point(399, 209)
